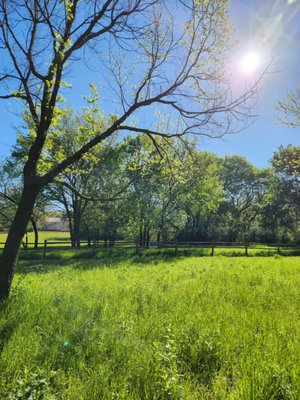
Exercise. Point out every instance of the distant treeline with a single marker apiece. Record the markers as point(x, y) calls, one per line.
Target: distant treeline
point(143, 190)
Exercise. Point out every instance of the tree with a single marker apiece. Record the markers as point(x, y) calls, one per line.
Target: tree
point(168, 192)
point(245, 188)
point(142, 165)
point(10, 191)
point(158, 179)
point(277, 219)
point(203, 196)
point(286, 163)
point(291, 109)
point(176, 69)
point(79, 178)
point(109, 211)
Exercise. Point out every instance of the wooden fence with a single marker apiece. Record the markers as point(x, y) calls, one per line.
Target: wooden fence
point(208, 247)
point(245, 246)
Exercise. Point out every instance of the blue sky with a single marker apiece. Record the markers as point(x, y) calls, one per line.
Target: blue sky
point(274, 26)
point(270, 27)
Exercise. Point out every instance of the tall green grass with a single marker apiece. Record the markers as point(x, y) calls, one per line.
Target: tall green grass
point(66, 253)
point(189, 328)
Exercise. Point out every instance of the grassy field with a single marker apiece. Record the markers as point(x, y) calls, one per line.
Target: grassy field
point(186, 328)
point(42, 236)
point(58, 247)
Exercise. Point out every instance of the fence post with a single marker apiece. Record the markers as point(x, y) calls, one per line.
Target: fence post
point(278, 248)
point(246, 249)
point(212, 248)
point(176, 246)
point(137, 247)
point(45, 248)
point(26, 241)
point(94, 247)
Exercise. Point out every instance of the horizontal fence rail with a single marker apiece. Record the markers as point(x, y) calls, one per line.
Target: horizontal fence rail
point(93, 246)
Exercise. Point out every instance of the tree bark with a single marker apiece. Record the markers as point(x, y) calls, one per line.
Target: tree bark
point(71, 232)
point(77, 220)
point(16, 233)
point(36, 233)
point(141, 234)
point(158, 236)
point(144, 234)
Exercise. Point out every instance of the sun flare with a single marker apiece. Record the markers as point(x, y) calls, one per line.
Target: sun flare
point(250, 62)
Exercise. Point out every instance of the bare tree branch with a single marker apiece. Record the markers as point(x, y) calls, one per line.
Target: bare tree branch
point(92, 198)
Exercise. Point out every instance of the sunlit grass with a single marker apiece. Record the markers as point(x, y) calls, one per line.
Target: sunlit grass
point(64, 252)
point(43, 235)
point(189, 328)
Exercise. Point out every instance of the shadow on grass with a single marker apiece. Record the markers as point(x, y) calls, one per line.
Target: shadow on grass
point(84, 258)
point(9, 322)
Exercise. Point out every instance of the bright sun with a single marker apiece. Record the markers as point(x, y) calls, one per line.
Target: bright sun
point(250, 62)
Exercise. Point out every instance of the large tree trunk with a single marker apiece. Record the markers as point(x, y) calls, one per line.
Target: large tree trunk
point(141, 234)
point(71, 229)
point(77, 230)
point(76, 220)
point(158, 236)
point(36, 233)
point(76, 225)
point(17, 230)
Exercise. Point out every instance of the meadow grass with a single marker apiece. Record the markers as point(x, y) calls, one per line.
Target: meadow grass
point(61, 248)
point(65, 253)
point(43, 235)
point(181, 328)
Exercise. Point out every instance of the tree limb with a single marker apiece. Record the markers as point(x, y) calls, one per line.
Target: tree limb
point(92, 198)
